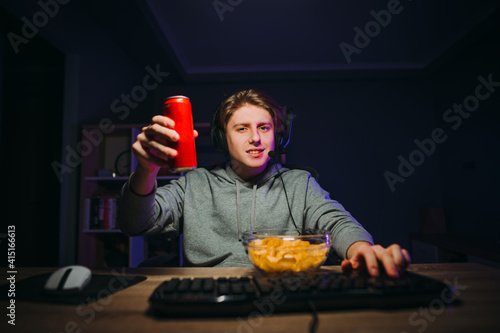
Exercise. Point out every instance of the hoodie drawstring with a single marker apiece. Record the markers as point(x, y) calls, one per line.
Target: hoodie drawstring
point(238, 219)
point(238, 214)
point(254, 194)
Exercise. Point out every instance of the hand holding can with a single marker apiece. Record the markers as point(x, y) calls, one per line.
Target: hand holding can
point(178, 108)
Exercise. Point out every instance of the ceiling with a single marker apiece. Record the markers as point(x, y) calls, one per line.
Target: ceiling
point(227, 40)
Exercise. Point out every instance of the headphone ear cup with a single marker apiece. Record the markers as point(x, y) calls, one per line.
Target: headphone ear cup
point(217, 136)
point(219, 140)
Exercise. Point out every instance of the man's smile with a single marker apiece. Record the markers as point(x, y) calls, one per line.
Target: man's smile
point(255, 151)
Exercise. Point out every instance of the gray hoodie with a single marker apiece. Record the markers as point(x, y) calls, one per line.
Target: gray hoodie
point(211, 208)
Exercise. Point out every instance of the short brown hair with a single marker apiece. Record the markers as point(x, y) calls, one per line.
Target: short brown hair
point(251, 97)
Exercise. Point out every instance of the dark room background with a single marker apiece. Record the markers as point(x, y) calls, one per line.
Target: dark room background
point(354, 125)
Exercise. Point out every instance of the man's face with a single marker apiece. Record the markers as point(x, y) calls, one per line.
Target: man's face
point(250, 137)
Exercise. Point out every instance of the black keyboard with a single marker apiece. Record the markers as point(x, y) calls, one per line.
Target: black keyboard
point(268, 294)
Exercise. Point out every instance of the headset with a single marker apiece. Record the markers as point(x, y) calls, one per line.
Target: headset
point(281, 140)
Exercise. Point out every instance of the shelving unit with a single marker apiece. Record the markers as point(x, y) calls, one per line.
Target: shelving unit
point(104, 247)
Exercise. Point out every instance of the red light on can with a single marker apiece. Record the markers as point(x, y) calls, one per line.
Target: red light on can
point(178, 108)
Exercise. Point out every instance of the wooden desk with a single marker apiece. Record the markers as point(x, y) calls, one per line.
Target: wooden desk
point(479, 288)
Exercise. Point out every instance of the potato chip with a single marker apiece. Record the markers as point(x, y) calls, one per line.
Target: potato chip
point(275, 255)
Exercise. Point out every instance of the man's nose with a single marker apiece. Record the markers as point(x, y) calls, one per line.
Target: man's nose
point(254, 136)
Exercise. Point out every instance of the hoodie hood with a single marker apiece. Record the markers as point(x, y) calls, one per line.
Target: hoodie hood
point(226, 172)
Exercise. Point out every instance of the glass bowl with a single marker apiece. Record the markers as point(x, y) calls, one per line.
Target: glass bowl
point(278, 251)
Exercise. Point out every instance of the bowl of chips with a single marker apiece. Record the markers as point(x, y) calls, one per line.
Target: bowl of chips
point(278, 251)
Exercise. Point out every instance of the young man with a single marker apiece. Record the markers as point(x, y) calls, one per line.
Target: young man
point(213, 208)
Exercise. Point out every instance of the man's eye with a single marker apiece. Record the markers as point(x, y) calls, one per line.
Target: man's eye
point(264, 128)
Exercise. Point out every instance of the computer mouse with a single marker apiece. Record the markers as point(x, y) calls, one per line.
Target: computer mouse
point(68, 280)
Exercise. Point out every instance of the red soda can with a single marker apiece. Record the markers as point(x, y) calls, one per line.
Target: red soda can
point(178, 108)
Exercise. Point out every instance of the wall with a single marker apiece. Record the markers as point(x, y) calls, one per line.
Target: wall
point(31, 118)
point(470, 158)
point(2, 65)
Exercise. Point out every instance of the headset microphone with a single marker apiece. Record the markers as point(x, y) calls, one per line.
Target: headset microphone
point(273, 153)
point(282, 140)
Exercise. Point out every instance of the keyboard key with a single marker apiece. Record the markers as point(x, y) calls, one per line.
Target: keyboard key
point(208, 284)
point(183, 285)
point(196, 285)
point(171, 286)
point(223, 287)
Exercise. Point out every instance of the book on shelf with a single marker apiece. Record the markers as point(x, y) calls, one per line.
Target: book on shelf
point(100, 213)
